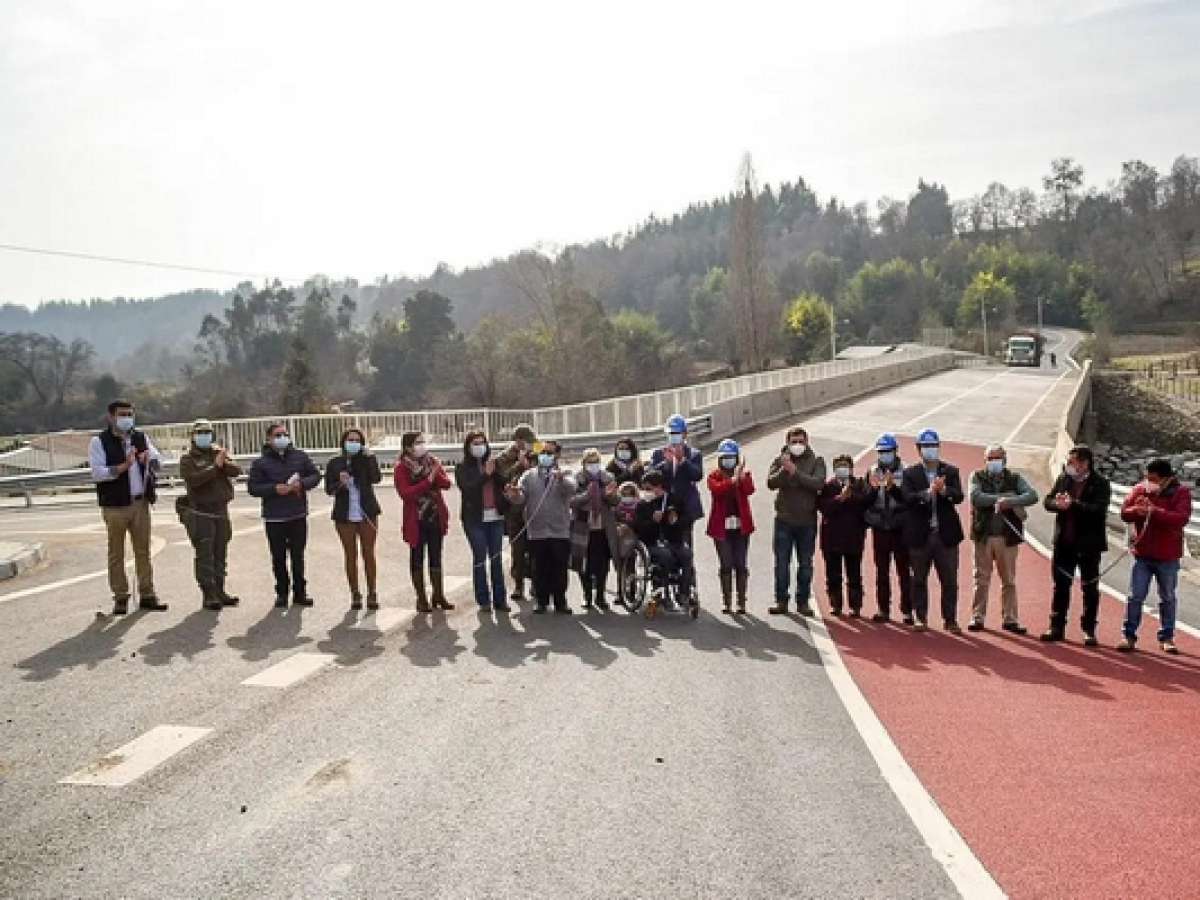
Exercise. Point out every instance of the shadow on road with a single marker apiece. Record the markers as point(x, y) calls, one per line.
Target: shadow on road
point(187, 639)
point(96, 643)
point(278, 630)
point(351, 645)
point(430, 641)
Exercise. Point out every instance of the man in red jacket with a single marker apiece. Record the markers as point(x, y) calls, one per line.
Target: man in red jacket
point(1159, 508)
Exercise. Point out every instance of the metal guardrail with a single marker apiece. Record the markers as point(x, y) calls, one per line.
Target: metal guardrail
point(1121, 491)
point(615, 415)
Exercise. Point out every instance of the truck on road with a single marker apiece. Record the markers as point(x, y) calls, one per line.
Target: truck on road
point(1024, 349)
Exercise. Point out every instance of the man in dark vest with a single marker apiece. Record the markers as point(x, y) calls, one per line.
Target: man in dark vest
point(999, 497)
point(124, 466)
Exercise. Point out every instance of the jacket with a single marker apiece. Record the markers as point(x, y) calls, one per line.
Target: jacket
point(106, 451)
point(919, 503)
point(581, 528)
point(682, 480)
point(796, 502)
point(623, 472)
point(1081, 526)
point(546, 504)
point(412, 491)
point(986, 489)
point(885, 506)
point(843, 522)
point(512, 465)
point(209, 488)
point(1159, 536)
point(470, 478)
point(730, 498)
point(272, 468)
point(652, 533)
point(364, 469)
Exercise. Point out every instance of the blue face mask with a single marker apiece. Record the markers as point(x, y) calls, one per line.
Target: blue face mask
point(545, 460)
point(995, 466)
point(354, 447)
point(887, 458)
point(675, 439)
point(203, 440)
point(125, 423)
point(281, 442)
point(929, 454)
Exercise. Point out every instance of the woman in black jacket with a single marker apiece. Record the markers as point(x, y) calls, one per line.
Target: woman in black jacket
point(350, 479)
point(625, 465)
point(483, 508)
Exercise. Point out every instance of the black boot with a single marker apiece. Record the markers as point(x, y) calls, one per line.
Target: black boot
point(727, 593)
point(438, 601)
point(743, 582)
point(418, 582)
point(835, 601)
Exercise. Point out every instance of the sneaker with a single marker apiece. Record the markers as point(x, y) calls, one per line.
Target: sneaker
point(1089, 639)
point(920, 626)
point(805, 610)
point(1053, 635)
point(1015, 628)
point(952, 628)
point(1127, 645)
point(1168, 646)
point(881, 618)
point(976, 625)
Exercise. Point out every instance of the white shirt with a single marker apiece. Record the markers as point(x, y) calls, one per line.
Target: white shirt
point(355, 511)
point(102, 471)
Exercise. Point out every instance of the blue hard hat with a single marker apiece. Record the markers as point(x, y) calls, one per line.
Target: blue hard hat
point(676, 424)
point(728, 447)
point(887, 441)
point(928, 437)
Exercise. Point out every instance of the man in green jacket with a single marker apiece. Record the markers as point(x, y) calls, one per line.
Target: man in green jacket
point(797, 476)
point(208, 473)
point(999, 497)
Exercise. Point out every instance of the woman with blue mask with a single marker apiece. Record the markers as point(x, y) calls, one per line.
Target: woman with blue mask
point(594, 542)
point(208, 472)
point(731, 522)
point(544, 495)
point(350, 478)
point(481, 481)
point(421, 481)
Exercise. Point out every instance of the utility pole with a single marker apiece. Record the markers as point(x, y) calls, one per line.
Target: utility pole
point(832, 333)
point(983, 312)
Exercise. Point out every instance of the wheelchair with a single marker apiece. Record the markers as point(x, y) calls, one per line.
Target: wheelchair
point(636, 574)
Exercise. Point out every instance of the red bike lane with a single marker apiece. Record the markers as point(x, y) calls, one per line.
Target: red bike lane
point(1070, 772)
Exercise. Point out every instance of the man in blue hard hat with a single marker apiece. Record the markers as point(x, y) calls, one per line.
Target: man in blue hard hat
point(682, 466)
point(885, 516)
point(932, 489)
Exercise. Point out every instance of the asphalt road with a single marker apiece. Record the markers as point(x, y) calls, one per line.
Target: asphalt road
point(457, 755)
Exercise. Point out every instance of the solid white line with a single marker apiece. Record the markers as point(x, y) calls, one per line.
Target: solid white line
point(139, 756)
point(957, 397)
point(945, 843)
point(295, 668)
point(156, 546)
point(1036, 406)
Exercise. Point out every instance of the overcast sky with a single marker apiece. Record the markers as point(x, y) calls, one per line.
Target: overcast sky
point(369, 138)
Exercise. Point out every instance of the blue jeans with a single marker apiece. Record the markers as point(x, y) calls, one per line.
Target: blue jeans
point(802, 539)
point(487, 543)
point(1166, 573)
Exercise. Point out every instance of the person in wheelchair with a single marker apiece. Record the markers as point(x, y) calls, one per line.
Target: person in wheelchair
point(661, 526)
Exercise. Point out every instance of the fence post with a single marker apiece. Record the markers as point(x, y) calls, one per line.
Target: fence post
point(50, 449)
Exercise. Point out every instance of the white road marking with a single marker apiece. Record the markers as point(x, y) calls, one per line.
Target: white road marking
point(1029, 415)
point(295, 668)
point(916, 420)
point(384, 620)
point(156, 546)
point(139, 756)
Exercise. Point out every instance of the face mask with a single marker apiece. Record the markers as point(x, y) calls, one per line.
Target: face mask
point(995, 466)
point(203, 440)
point(419, 450)
point(479, 451)
point(354, 447)
point(545, 460)
point(841, 473)
point(125, 423)
point(624, 455)
point(797, 448)
point(593, 468)
point(281, 442)
point(1072, 471)
point(887, 458)
point(728, 462)
point(674, 439)
point(649, 496)
point(1151, 487)
point(929, 454)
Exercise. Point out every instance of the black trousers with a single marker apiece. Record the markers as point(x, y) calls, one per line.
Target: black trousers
point(551, 562)
point(597, 563)
point(1064, 561)
point(288, 539)
point(834, 564)
point(889, 548)
point(518, 550)
point(945, 560)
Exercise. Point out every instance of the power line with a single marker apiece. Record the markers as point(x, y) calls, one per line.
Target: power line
point(95, 257)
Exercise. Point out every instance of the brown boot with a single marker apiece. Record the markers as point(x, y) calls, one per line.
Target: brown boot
point(727, 592)
point(418, 580)
point(439, 593)
point(743, 581)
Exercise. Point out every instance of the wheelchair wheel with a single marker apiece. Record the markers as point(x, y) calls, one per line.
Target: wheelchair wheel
point(634, 578)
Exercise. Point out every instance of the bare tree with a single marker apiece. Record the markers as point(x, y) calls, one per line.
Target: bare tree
point(52, 369)
point(749, 281)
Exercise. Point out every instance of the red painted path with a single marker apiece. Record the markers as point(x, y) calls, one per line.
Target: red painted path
point(1071, 772)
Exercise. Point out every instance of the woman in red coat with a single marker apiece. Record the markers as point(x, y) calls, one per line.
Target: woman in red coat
point(420, 480)
point(730, 523)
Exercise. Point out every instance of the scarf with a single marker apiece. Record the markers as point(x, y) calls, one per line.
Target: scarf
point(417, 470)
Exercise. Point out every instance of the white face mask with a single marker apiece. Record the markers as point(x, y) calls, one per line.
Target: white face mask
point(419, 450)
point(841, 473)
point(479, 451)
point(281, 442)
point(124, 423)
point(797, 448)
point(545, 460)
point(728, 463)
point(624, 455)
point(674, 439)
point(593, 468)
point(1151, 487)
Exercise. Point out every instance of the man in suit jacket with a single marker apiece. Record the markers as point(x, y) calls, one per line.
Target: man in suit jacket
point(932, 489)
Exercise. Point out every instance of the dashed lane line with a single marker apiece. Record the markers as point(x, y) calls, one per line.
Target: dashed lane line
point(130, 762)
point(295, 668)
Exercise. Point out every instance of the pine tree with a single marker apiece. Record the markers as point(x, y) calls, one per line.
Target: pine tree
point(301, 391)
point(749, 282)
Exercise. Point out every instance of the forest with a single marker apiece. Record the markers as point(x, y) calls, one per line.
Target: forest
point(753, 279)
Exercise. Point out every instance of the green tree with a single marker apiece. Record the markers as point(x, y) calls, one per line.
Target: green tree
point(301, 392)
point(712, 317)
point(806, 324)
point(929, 212)
point(986, 290)
point(1063, 183)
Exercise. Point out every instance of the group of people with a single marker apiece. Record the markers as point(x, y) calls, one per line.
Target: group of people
point(557, 520)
